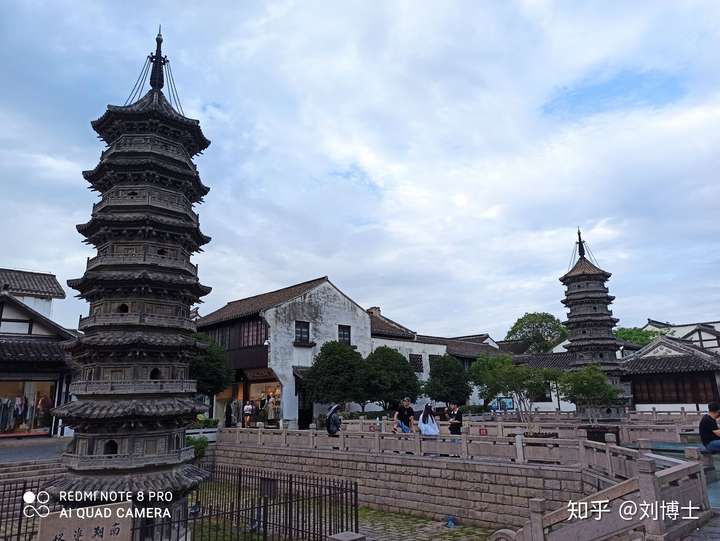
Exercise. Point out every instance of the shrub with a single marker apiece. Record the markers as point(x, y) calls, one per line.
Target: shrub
point(199, 443)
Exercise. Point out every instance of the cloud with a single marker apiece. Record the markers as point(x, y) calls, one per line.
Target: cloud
point(431, 159)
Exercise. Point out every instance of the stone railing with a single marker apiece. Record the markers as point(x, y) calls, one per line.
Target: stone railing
point(87, 387)
point(629, 432)
point(136, 319)
point(654, 416)
point(100, 462)
point(93, 262)
point(516, 449)
point(652, 482)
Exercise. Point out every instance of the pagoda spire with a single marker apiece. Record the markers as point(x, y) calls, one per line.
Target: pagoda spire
point(157, 76)
point(581, 245)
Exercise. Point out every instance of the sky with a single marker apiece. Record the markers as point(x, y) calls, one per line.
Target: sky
point(431, 158)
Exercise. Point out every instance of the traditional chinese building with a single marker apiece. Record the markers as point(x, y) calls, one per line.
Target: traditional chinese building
point(134, 398)
point(590, 321)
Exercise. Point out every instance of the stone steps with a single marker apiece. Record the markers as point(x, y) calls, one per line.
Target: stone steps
point(38, 470)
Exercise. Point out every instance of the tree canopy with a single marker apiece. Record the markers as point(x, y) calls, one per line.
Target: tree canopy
point(498, 375)
point(389, 377)
point(448, 381)
point(336, 375)
point(636, 335)
point(542, 330)
point(210, 367)
point(588, 386)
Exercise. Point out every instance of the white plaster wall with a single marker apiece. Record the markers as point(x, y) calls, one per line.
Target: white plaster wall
point(44, 306)
point(407, 347)
point(325, 307)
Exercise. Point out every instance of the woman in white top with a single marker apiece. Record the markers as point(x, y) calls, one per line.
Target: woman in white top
point(427, 424)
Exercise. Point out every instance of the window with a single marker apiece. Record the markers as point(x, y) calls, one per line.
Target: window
point(302, 332)
point(110, 447)
point(344, 334)
point(416, 361)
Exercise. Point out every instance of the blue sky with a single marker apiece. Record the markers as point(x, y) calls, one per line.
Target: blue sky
point(432, 158)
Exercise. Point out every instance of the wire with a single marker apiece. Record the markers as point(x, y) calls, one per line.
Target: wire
point(173, 90)
point(140, 82)
point(572, 257)
point(592, 255)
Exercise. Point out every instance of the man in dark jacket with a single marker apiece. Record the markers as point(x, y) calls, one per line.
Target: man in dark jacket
point(709, 430)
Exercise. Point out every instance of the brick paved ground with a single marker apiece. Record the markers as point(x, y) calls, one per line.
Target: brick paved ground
point(380, 526)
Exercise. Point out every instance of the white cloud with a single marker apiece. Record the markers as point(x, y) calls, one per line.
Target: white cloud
point(403, 149)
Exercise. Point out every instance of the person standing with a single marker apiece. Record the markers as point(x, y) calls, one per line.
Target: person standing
point(455, 418)
point(333, 421)
point(709, 430)
point(427, 424)
point(228, 414)
point(247, 414)
point(404, 417)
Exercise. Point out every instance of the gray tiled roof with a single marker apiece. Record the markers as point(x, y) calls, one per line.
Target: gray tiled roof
point(37, 284)
point(668, 364)
point(31, 350)
point(562, 360)
point(254, 305)
point(382, 326)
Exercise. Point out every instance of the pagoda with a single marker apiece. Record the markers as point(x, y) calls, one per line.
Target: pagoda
point(590, 321)
point(135, 400)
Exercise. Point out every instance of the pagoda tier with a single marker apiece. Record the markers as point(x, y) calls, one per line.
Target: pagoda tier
point(135, 398)
point(590, 321)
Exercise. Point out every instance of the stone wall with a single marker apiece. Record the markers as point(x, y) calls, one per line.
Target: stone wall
point(487, 494)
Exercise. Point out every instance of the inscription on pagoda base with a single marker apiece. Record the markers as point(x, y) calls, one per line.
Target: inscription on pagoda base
point(113, 522)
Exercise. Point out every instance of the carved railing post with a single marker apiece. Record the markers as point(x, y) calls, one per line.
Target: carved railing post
point(649, 492)
point(610, 440)
point(537, 510)
point(519, 449)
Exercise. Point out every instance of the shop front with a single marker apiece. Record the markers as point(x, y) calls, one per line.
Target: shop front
point(257, 386)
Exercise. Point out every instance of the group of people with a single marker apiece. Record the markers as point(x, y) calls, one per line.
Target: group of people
point(404, 419)
point(250, 412)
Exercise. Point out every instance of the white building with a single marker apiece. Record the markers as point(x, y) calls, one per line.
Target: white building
point(705, 335)
point(33, 375)
point(271, 337)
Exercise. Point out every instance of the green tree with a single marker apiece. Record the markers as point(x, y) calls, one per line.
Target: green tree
point(542, 330)
point(335, 376)
point(498, 375)
point(448, 381)
point(210, 367)
point(389, 377)
point(588, 386)
point(636, 335)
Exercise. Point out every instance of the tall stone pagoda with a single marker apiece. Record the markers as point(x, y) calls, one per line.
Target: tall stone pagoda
point(135, 400)
point(590, 321)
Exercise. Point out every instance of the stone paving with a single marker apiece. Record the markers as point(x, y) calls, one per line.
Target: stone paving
point(381, 526)
point(709, 532)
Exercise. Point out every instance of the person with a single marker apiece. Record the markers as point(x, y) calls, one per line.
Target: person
point(709, 430)
point(228, 414)
point(333, 421)
point(247, 414)
point(455, 418)
point(427, 424)
point(404, 417)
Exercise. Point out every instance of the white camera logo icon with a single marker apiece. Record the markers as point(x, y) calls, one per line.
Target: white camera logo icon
point(30, 499)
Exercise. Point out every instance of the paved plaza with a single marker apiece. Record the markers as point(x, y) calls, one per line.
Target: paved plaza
point(21, 450)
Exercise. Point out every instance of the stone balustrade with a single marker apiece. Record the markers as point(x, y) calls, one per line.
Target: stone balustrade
point(101, 260)
point(652, 480)
point(176, 322)
point(653, 416)
point(114, 462)
point(152, 199)
point(629, 432)
point(87, 387)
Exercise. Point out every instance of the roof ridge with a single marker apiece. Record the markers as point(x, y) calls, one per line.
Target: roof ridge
point(275, 290)
point(28, 271)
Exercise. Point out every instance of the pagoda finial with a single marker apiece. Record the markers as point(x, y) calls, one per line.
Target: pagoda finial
point(157, 76)
point(581, 244)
